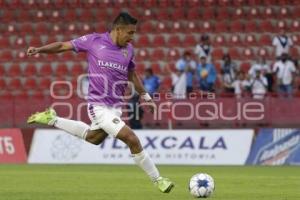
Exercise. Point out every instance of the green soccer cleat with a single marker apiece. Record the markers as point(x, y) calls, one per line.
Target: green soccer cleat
point(47, 117)
point(164, 184)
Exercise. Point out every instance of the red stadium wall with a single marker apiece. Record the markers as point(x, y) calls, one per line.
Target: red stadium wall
point(187, 114)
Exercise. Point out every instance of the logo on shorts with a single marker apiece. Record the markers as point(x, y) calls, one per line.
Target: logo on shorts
point(116, 120)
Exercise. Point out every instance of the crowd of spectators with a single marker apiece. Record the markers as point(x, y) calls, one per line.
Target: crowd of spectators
point(195, 71)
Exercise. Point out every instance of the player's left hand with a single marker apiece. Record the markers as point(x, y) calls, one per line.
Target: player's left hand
point(32, 51)
point(151, 105)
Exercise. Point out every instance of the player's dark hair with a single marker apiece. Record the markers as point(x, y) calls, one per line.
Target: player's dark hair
point(124, 19)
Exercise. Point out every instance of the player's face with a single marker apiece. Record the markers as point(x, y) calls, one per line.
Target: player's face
point(125, 34)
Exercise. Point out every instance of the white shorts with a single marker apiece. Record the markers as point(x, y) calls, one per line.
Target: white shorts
point(106, 118)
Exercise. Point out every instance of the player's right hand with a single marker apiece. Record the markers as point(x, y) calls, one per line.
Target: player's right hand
point(32, 51)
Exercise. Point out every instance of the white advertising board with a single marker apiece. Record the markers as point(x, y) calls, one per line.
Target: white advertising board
point(180, 147)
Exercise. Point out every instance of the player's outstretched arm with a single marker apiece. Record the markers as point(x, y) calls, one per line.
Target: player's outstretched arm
point(55, 47)
point(139, 87)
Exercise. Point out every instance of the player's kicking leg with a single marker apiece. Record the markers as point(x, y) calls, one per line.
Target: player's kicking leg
point(106, 121)
point(143, 160)
point(76, 128)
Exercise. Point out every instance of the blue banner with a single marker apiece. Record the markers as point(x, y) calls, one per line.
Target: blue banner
point(276, 147)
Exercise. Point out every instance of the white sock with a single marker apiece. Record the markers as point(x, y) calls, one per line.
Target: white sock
point(144, 161)
point(76, 128)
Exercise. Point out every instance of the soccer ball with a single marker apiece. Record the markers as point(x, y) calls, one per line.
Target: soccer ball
point(201, 185)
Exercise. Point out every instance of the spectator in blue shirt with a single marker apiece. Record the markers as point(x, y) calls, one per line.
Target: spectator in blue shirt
point(206, 74)
point(187, 64)
point(151, 82)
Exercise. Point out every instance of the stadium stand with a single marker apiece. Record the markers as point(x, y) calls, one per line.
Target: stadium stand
point(243, 28)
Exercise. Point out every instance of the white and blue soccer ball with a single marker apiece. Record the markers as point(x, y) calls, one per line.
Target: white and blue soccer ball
point(201, 185)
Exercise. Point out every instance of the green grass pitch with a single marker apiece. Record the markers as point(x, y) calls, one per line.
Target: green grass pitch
point(112, 182)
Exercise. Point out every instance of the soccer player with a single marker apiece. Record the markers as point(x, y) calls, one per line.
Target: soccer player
point(110, 61)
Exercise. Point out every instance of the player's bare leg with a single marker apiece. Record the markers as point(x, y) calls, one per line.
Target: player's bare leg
point(143, 160)
point(96, 136)
point(129, 138)
point(82, 130)
point(76, 128)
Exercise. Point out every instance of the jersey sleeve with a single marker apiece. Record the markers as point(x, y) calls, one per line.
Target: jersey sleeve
point(131, 65)
point(82, 43)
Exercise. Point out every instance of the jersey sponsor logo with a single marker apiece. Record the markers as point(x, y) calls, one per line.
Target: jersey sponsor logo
point(125, 53)
point(114, 65)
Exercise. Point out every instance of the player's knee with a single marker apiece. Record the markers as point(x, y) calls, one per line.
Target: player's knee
point(92, 138)
point(89, 138)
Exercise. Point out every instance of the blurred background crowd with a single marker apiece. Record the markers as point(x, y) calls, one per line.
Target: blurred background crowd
point(196, 71)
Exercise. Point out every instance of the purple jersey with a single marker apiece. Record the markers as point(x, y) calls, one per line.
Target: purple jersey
point(108, 66)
